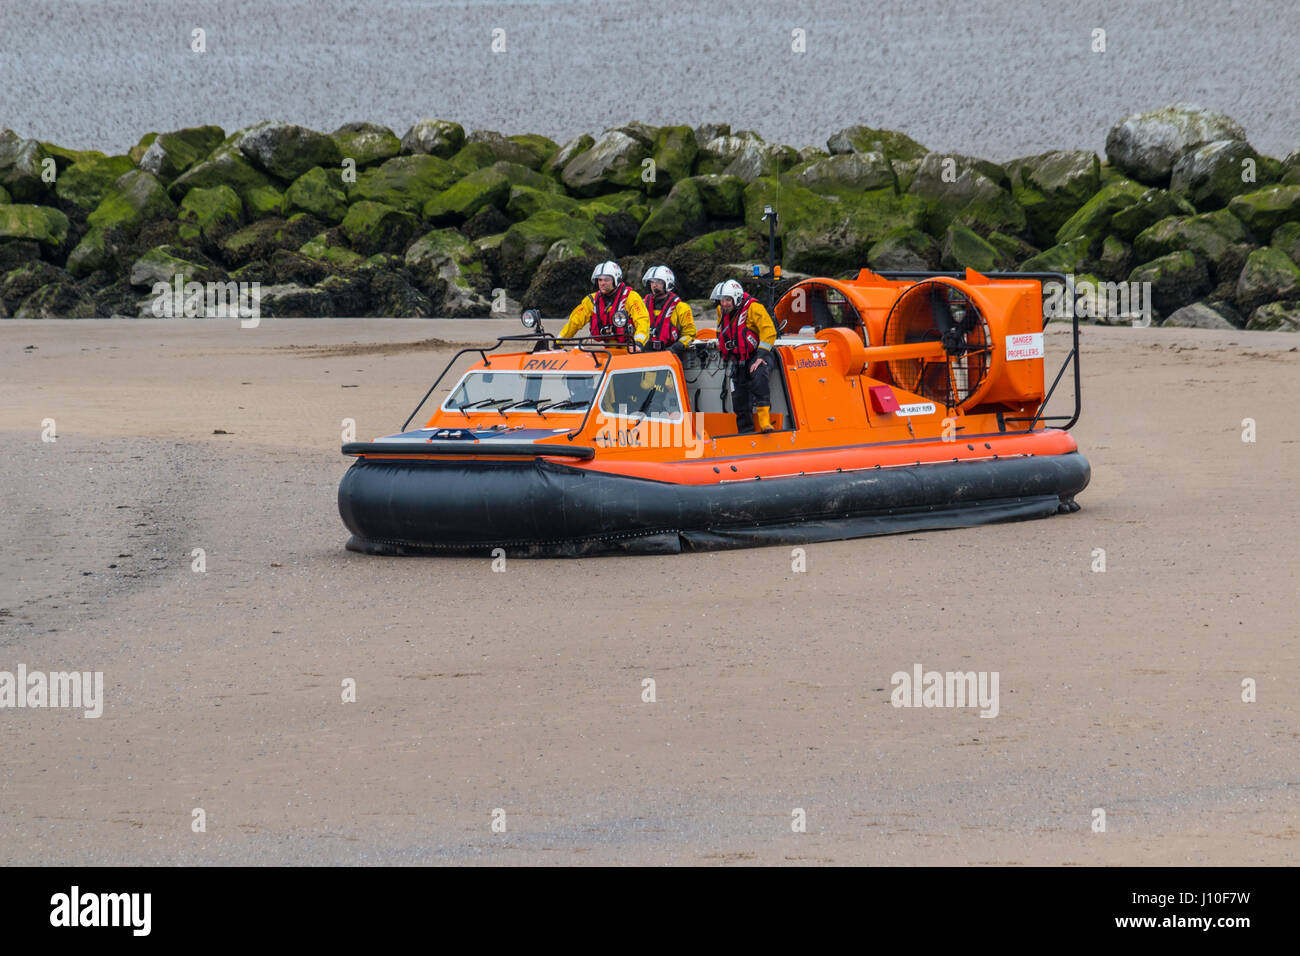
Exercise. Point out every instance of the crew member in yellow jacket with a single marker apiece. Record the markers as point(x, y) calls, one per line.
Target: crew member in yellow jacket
point(746, 335)
point(597, 310)
point(672, 324)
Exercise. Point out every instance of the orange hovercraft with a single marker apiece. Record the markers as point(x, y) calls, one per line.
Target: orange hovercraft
point(907, 401)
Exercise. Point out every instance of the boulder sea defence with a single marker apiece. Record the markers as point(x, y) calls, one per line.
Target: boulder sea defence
point(440, 221)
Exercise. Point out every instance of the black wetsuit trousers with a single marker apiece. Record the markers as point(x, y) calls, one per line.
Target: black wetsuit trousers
point(749, 391)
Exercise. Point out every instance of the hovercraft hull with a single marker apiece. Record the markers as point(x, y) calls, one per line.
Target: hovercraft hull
point(545, 508)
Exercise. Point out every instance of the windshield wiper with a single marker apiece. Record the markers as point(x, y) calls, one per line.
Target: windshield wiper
point(524, 403)
point(486, 403)
point(570, 402)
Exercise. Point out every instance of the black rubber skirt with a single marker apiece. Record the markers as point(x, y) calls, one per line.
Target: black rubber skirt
point(535, 508)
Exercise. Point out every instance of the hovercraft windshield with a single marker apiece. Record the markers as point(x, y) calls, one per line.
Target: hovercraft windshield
point(551, 391)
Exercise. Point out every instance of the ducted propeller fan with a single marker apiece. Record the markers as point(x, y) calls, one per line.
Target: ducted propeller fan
point(933, 311)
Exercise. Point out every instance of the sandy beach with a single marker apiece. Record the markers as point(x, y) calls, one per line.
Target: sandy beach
point(521, 691)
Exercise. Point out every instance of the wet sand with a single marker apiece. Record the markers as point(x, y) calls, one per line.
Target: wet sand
point(522, 690)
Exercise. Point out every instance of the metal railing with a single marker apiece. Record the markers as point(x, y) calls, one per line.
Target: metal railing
point(542, 341)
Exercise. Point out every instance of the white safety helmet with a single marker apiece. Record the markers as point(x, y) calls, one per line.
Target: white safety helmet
point(663, 274)
point(610, 269)
point(733, 289)
point(716, 294)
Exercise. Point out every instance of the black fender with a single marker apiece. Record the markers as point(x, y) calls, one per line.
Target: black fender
point(540, 508)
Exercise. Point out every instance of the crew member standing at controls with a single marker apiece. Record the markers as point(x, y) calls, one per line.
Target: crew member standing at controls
point(746, 335)
point(672, 324)
point(598, 310)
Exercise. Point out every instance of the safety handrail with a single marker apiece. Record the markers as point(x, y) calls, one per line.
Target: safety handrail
point(604, 374)
point(536, 337)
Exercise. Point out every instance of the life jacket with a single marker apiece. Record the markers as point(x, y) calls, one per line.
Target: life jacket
point(602, 317)
point(663, 330)
point(736, 340)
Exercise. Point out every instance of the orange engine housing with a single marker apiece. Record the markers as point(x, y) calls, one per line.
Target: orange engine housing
point(1007, 353)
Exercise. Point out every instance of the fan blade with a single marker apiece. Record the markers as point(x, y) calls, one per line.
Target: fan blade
point(970, 319)
point(940, 310)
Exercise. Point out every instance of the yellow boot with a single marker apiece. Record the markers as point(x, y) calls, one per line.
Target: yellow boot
point(763, 418)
